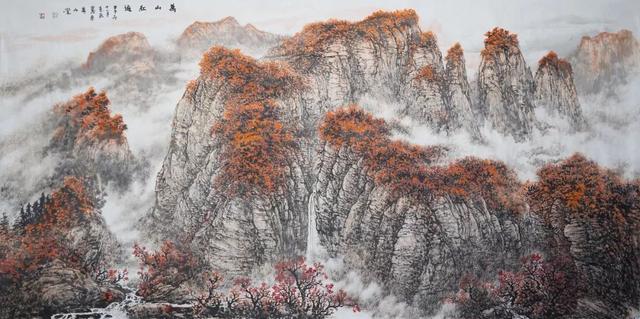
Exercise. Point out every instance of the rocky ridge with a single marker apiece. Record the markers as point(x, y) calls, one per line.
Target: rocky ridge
point(200, 36)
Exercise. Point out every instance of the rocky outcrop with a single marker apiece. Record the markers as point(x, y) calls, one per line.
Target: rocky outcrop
point(64, 289)
point(505, 86)
point(459, 91)
point(605, 61)
point(556, 91)
point(236, 215)
point(200, 36)
point(91, 141)
point(386, 56)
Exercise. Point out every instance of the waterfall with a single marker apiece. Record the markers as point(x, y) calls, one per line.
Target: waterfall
point(315, 251)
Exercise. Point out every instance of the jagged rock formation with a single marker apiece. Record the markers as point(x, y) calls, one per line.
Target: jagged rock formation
point(385, 55)
point(91, 141)
point(505, 86)
point(239, 202)
point(200, 36)
point(556, 91)
point(459, 90)
point(605, 61)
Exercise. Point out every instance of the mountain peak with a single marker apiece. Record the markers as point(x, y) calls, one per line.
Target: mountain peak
point(552, 60)
point(499, 39)
point(117, 48)
point(229, 20)
point(200, 36)
point(455, 53)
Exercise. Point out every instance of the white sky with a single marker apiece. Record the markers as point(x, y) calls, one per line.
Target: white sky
point(28, 43)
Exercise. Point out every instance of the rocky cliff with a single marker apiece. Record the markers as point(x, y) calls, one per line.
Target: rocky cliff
point(505, 86)
point(395, 222)
point(385, 56)
point(605, 61)
point(231, 183)
point(459, 91)
point(556, 91)
point(200, 36)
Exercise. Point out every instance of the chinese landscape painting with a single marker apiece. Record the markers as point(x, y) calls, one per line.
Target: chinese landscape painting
point(464, 159)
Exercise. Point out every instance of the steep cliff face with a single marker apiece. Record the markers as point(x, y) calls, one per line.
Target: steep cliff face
point(238, 195)
point(459, 91)
point(605, 61)
point(556, 91)
point(386, 56)
point(399, 225)
point(200, 36)
point(505, 86)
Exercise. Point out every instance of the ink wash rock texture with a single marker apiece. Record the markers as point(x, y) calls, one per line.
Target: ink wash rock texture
point(419, 251)
point(556, 91)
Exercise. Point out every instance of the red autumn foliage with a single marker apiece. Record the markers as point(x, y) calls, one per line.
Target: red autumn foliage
point(499, 40)
point(580, 188)
point(426, 73)
point(47, 239)
point(315, 36)
point(490, 180)
point(408, 170)
point(551, 60)
point(300, 291)
point(256, 144)
point(539, 289)
point(455, 54)
point(87, 119)
point(164, 270)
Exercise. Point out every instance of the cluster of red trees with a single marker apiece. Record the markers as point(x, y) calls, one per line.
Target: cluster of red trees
point(552, 60)
point(580, 188)
point(539, 289)
point(409, 170)
point(499, 40)
point(165, 270)
point(27, 250)
point(86, 118)
point(455, 54)
point(256, 145)
point(300, 291)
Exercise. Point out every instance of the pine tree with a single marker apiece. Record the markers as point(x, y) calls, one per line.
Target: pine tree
point(4, 224)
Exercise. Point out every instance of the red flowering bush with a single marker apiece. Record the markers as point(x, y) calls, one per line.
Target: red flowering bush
point(539, 289)
point(300, 291)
